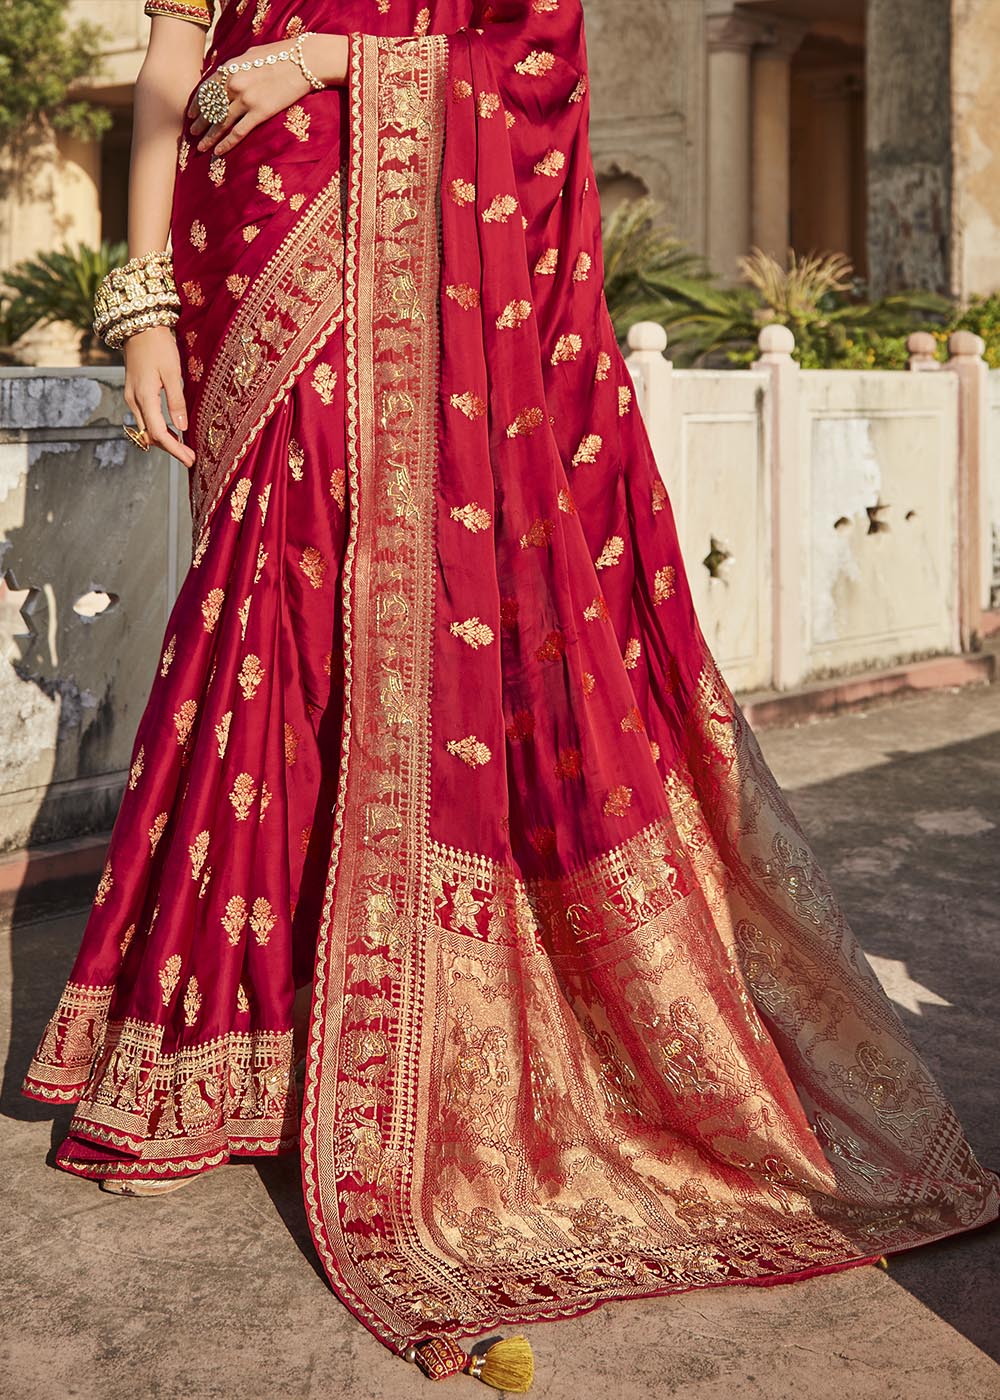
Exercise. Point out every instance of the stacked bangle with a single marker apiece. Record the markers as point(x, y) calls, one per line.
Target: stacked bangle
point(135, 297)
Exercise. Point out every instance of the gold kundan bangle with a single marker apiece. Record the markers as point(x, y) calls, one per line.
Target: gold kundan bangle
point(135, 297)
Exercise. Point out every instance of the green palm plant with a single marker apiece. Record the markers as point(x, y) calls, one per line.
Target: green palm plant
point(61, 285)
point(16, 318)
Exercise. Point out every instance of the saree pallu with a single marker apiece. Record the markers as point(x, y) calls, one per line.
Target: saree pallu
point(436, 728)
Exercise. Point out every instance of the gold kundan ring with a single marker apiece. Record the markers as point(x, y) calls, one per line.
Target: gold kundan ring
point(213, 99)
point(137, 435)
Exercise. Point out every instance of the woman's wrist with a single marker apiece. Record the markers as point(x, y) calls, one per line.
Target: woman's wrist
point(327, 56)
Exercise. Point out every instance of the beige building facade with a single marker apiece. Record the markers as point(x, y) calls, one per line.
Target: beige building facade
point(870, 127)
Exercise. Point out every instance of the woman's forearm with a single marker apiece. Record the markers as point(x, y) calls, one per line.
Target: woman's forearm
point(327, 56)
point(169, 72)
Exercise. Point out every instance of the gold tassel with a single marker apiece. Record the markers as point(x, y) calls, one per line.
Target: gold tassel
point(508, 1365)
point(883, 1263)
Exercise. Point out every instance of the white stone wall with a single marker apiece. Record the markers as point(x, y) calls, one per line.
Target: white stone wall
point(84, 516)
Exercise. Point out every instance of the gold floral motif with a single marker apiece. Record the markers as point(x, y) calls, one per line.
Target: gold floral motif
point(296, 201)
point(263, 499)
point(521, 727)
point(297, 121)
point(192, 1001)
point(156, 831)
point(618, 801)
point(205, 882)
point(633, 722)
point(250, 233)
point(338, 486)
point(262, 557)
point(199, 236)
point(582, 267)
point(217, 171)
point(514, 314)
point(500, 209)
point(196, 368)
point(265, 798)
point(169, 976)
point(242, 1000)
point(470, 404)
point(125, 941)
point(569, 763)
point(552, 164)
point(252, 672)
point(422, 23)
point(611, 554)
point(567, 349)
point(474, 632)
point(462, 192)
point(237, 283)
point(566, 502)
point(589, 683)
point(269, 182)
point(587, 453)
point(211, 608)
point(664, 584)
point(536, 64)
point(198, 852)
point(603, 367)
point(222, 732)
point(473, 516)
point(313, 565)
point(624, 400)
point(135, 772)
point(598, 610)
point(183, 154)
point(488, 105)
point(467, 296)
point(470, 750)
point(296, 460)
point(553, 648)
point(461, 90)
point(292, 741)
point(193, 293)
point(580, 91)
point(184, 719)
point(538, 535)
point(632, 653)
point(548, 264)
point(243, 613)
point(238, 498)
point(234, 918)
point(528, 421)
point(324, 381)
point(200, 549)
point(262, 921)
point(659, 496)
point(243, 795)
point(169, 653)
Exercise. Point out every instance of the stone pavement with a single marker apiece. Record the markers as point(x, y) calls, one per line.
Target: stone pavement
point(214, 1294)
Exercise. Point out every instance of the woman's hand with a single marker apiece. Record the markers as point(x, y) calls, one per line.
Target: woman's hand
point(262, 92)
point(153, 364)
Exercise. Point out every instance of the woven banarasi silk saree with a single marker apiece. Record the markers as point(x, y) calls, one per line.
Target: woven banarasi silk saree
point(436, 732)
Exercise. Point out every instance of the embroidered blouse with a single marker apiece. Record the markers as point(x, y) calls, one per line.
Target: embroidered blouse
point(198, 11)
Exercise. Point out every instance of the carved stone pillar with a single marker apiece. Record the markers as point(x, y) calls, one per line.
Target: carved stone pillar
point(770, 167)
point(731, 37)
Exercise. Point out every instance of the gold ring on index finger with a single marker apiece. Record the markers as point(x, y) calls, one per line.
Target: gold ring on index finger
point(213, 99)
point(137, 435)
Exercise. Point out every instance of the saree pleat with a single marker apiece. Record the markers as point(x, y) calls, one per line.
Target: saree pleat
point(436, 731)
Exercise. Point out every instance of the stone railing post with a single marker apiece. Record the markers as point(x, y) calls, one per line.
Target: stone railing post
point(788, 526)
point(652, 374)
point(923, 347)
point(966, 360)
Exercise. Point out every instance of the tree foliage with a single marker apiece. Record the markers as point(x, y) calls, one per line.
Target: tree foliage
point(41, 57)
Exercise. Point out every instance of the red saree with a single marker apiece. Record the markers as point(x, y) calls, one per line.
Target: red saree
point(436, 729)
